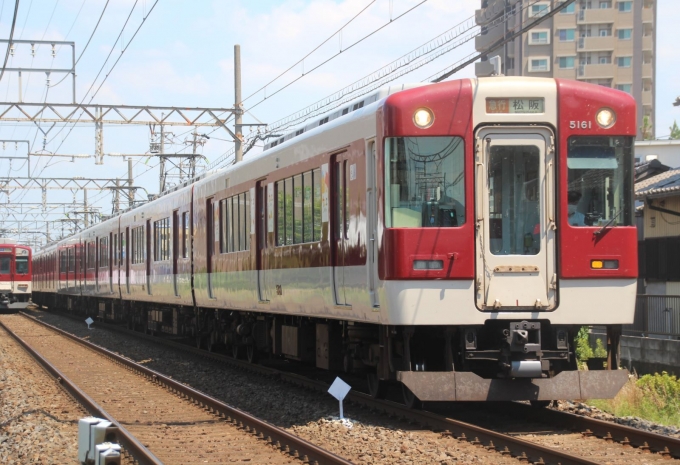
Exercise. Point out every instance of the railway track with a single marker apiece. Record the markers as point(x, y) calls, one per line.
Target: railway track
point(602, 448)
point(160, 420)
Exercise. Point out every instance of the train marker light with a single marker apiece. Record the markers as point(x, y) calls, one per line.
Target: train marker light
point(423, 118)
point(606, 117)
point(604, 264)
point(339, 390)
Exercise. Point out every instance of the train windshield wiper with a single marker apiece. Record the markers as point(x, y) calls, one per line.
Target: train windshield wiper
point(608, 223)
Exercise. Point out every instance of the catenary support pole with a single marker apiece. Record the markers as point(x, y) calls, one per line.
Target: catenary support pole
point(238, 119)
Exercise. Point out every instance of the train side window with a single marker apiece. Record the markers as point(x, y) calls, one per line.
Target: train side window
point(242, 221)
point(5, 264)
point(246, 219)
point(280, 214)
point(426, 179)
point(161, 244)
point(289, 210)
point(103, 252)
point(307, 216)
point(185, 227)
point(316, 193)
point(137, 242)
point(297, 209)
point(230, 224)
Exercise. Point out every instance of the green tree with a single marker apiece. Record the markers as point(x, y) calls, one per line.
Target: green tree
point(675, 131)
point(646, 129)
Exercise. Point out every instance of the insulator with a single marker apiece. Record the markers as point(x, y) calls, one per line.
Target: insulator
point(11, 49)
point(33, 50)
point(54, 51)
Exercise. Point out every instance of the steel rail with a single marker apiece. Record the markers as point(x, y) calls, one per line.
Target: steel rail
point(626, 435)
point(135, 448)
point(296, 446)
point(492, 440)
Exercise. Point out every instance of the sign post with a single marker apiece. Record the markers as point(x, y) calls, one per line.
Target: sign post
point(89, 321)
point(339, 390)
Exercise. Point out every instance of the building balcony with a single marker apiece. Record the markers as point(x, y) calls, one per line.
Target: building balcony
point(595, 16)
point(648, 42)
point(647, 98)
point(596, 71)
point(493, 10)
point(647, 71)
point(648, 15)
point(493, 35)
point(591, 44)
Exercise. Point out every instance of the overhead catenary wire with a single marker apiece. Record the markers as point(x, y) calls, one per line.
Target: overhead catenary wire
point(88, 42)
point(11, 36)
point(313, 50)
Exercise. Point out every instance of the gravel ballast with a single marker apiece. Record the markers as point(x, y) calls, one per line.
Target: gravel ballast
point(38, 420)
point(366, 438)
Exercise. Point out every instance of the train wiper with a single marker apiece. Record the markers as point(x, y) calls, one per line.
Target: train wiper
point(608, 223)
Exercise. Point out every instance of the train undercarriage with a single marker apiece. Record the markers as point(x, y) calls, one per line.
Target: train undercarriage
point(501, 360)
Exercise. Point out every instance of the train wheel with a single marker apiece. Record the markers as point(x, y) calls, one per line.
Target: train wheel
point(235, 350)
point(377, 388)
point(410, 399)
point(251, 353)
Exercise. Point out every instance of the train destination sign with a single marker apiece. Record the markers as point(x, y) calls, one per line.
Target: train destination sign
point(515, 105)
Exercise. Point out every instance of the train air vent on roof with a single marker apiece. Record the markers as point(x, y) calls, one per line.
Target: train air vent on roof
point(281, 140)
point(275, 143)
point(345, 111)
point(299, 131)
point(358, 105)
point(323, 121)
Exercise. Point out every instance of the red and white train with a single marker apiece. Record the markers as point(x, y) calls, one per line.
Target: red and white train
point(450, 237)
point(15, 272)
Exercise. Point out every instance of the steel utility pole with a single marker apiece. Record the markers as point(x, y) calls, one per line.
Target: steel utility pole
point(161, 186)
point(238, 105)
point(131, 191)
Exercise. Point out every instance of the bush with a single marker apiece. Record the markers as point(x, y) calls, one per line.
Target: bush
point(652, 397)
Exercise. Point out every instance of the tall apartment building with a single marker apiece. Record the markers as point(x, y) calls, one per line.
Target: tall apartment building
point(607, 42)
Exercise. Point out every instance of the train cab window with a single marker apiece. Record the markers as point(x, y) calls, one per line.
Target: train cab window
point(599, 173)
point(22, 265)
point(5, 264)
point(426, 179)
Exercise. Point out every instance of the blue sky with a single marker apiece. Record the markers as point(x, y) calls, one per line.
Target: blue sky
point(183, 56)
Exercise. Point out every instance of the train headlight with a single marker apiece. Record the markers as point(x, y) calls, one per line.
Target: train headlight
point(606, 117)
point(423, 118)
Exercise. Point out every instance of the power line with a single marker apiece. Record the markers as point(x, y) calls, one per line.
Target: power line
point(88, 42)
point(11, 36)
point(338, 54)
point(505, 40)
point(314, 50)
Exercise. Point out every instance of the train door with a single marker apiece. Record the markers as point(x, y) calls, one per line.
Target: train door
point(113, 246)
point(515, 205)
point(175, 248)
point(372, 223)
point(261, 228)
point(148, 256)
point(127, 259)
point(339, 224)
point(210, 241)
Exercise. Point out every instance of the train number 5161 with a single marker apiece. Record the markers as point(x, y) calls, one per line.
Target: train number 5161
point(580, 124)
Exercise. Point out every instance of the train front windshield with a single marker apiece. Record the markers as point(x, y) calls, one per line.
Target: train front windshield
point(22, 265)
point(425, 182)
point(600, 181)
point(5, 263)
